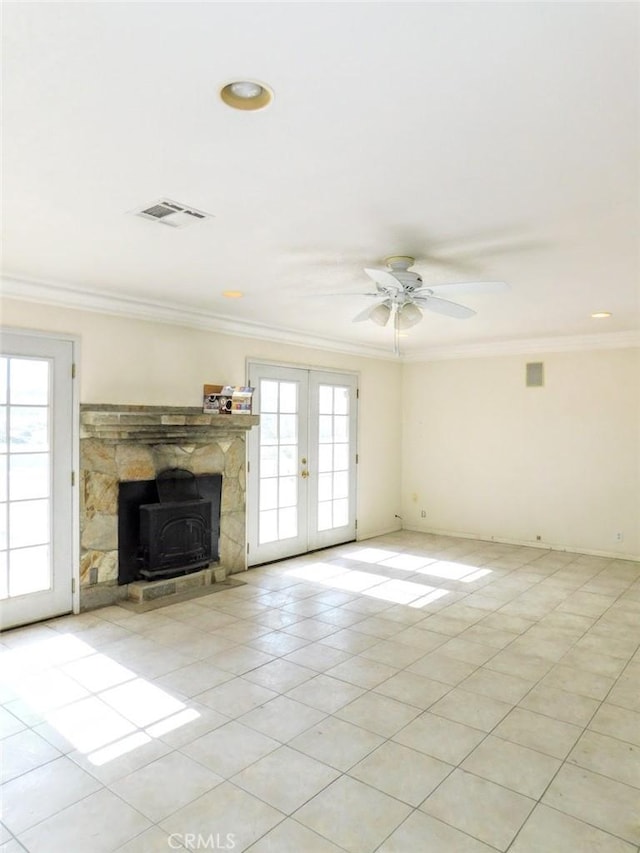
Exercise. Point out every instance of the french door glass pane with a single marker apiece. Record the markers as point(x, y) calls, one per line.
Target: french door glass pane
point(4, 575)
point(288, 459)
point(3, 380)
point(268, 461)
point(268, 529)
point(341, 457)
point(28, 523)
point(288, 522)
point(29, 476)
point(25, 472)
point(29, 570)
point(278, 484)
point(268, 493)
point(333, 456)
point(268, 396)
point(288, 397)
point(29, 381)
point(28, 429)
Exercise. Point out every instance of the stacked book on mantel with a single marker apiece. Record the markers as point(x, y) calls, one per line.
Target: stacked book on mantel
point(227, 400)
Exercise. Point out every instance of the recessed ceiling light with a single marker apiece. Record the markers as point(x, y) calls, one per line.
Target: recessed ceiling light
point(246, 95)
point(601, 315)
point(233, 294)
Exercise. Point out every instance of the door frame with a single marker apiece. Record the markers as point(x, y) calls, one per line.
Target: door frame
point(74, 340)
point(255, 362)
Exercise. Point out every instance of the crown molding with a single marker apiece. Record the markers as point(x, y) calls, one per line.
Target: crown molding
point(528, 346)
point(177, 315)
point(50, 293)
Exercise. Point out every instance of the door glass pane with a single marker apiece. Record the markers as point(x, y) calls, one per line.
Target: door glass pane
point(268, 493)
point(4, 575)
point(340, 484)
point(341, 401)
point(340, 457)
point(29, 476)
point(4, 365)
point(326, 400)
point(333, 457)
point(28, 429)
point(278, 479)
point(340, 512)
point(341, 428)
point(288, 397)
point(325, 483)
point(28, 382)
point(29, 570)
point(3, 429)
point(288, 491)
point(269, 461)
point(268, 429)
point(28, 523)
point(268, 396)
point(268, 526)
point(325, 516)
point(25, 520)
point(288, 523)
point(288, 459)
point(288, 426)
point(325, 428)
point(325, 457)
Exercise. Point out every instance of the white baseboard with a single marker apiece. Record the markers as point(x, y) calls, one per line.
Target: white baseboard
point(547, 546)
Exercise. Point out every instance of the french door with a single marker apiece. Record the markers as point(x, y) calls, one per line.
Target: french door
point(36, 463)
point(302, 461)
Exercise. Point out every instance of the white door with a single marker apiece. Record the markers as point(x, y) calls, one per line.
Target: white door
point(36, 493)
point(302, 461)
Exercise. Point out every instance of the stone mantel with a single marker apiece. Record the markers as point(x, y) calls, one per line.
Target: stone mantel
point(124, 443)
point(159, 424)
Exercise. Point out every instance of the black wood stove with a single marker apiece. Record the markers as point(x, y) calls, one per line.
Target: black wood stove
point(169, 526)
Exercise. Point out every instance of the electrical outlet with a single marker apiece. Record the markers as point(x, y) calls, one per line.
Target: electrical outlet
point(423, 514)
point(619, 537)
point(538, 538)
point(93, 575)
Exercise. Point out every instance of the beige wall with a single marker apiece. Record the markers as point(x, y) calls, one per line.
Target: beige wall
point(134, 361)
point(485, 455)
point(478, 451)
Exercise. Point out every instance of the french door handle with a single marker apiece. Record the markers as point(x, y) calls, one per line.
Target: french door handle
point(304, 474)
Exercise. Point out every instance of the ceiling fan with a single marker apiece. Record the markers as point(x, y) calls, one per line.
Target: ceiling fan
point(404, 297)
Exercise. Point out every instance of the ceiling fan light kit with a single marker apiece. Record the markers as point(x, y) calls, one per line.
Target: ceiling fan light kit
point(408, 315)
point(380, 314)
point(404, 296)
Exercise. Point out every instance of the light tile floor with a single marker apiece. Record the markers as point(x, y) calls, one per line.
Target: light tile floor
point(409, 693)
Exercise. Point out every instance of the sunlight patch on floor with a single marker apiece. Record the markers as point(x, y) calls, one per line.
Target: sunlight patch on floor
point(382, 587)
point(101, 708)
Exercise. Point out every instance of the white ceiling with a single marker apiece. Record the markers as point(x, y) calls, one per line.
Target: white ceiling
point(488, 140)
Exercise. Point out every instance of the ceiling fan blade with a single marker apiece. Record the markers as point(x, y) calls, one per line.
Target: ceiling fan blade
point(443, 306)
point(383, 278)
point(363, 315)
point(347, 293)
point(466, 287)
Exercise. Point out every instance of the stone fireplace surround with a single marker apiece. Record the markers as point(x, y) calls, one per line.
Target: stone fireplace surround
point(121, 443)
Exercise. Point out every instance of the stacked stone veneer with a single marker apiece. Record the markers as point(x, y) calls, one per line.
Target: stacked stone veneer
point(119, 443)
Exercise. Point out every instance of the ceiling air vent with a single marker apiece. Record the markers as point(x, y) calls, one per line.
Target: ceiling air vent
point(171, 213)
